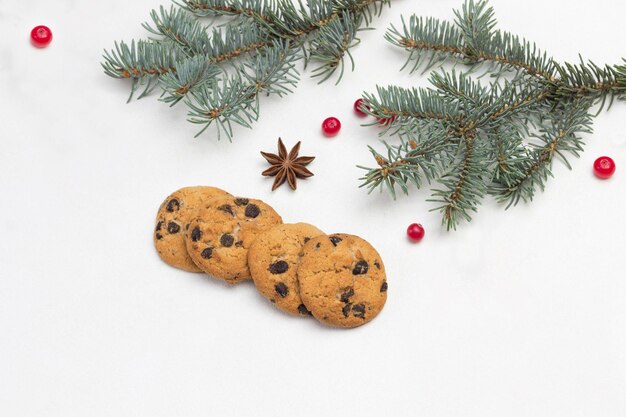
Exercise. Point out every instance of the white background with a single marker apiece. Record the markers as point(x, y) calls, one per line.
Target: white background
point(520, 313)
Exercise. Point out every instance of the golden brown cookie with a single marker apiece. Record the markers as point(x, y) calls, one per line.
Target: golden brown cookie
point(174, 214)
point(342, 280)
point(219, 235)
point(273, 259)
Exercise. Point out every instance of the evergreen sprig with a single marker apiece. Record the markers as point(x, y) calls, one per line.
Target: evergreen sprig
point(498, 137)
point(220, 69)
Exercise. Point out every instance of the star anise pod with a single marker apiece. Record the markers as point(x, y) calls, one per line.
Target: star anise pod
point(287, 167)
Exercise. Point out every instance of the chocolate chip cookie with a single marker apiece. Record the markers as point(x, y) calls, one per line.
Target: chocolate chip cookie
point(342, 280)
point(273, 259)
point(173, 215)
point(219, 235)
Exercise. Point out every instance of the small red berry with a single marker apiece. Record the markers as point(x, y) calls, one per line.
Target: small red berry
point(386, 121)
point(604, 167)
point(415, 232)
point(331, 126)
point(41, 36)
point(358, 108)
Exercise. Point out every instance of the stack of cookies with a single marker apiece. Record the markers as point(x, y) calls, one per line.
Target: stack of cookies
point(339, 279)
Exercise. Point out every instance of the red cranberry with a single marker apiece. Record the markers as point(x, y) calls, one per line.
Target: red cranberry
point(604, 167)
point(331, 126)
point(386, 121)
point(415, 232)
point(41, 36)
point(358, 108)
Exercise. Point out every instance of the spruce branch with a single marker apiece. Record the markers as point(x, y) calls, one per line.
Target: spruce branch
point(333, 43)
point(228, 101)
point(476, 21)
point(427, 40)
point(509, 155)
point(236, 8)
point(498, 137)
point(420, 157)
point(199, 63)
point(587, 80)
point(187, 77)
point(401, 109)
point(181, 28)
point(471, 40)
point(143, 62)
point(464, 182)
point(561, 135)
point(235, 99)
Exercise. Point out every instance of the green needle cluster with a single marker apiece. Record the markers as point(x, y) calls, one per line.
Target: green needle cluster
point(499, 112)
point(219, 56)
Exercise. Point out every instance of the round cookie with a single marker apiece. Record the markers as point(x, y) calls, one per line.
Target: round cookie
point(174, 214)
point(342, 280)
point(219, 235)
point(273, 260)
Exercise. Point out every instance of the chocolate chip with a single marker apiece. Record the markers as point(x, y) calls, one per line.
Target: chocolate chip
point(252, 211)
point(242, 201)
point(303, 310)
point(196, 234)
point(207, 253)
point(173, 205)
point(279, 267)
point(360, 268)
point(158, 226)
point(319, 245)
point(383, 288)
point(226, 208)
point(227, 240)
point(306, 239)
point(239, 243)
point(159, 236)
point(346, 309)
point(335, 240)
point(359, 311)
point(376, 264)
point(347, 293)
point(281, 289)
point(173, 228)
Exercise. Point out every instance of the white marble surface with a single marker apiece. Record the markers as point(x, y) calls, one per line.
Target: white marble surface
point(520, 313)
